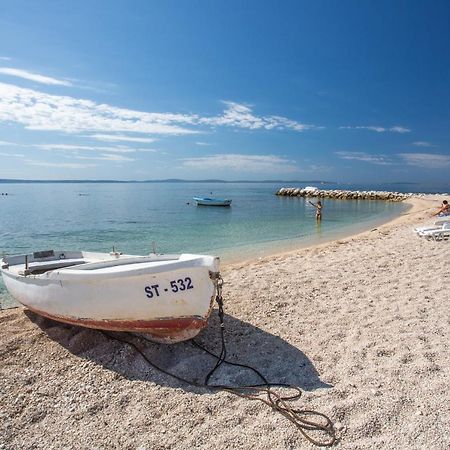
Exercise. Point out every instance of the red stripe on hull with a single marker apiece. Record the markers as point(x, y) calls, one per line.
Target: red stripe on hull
point(161, 330)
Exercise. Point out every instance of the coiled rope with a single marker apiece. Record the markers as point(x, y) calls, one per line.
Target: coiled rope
point(308, 422)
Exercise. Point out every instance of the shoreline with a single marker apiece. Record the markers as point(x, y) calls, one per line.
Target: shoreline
point(360, 325)
point(417, 204)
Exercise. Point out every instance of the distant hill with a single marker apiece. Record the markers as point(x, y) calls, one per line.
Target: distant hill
point(170, 180)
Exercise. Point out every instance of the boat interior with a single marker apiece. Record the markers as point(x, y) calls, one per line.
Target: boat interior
point(44, 261)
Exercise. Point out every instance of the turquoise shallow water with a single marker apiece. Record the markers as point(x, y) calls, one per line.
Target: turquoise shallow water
point(94, 216)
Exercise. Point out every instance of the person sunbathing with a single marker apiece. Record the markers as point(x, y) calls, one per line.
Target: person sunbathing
point(445, 209)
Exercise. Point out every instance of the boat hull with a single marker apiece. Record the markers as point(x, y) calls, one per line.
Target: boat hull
point(170, 302)
point(163, 331)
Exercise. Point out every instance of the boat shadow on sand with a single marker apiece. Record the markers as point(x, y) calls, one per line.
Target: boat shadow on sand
point(276, 359)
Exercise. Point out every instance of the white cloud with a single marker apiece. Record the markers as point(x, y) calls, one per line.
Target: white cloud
point(235, 115)
point(120, 137)
point(423, 144)
point(13, 155)
point(40, 111)
point(241, 163)
point(423, 160)
point(36, 110)
point(372, 128)
point(107, 157)
point(59, 165)
point(33, 76)
point(89, 148)
point(241, 116)
point(76, 148)
point(394, 129)
point(205, 144)
point(281, 123)
point(5, 58)
point(398, 129)
point(427, 160)
point(366, 157)
point(7, 143)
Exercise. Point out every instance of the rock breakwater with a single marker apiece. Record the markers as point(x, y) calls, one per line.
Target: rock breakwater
point(343, 194)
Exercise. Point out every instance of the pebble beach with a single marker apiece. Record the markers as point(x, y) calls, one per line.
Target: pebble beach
point(361, 325)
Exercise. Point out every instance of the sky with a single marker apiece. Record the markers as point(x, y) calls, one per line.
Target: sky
point(345, 91)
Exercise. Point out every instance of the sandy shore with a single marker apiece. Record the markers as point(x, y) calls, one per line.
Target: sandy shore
point(361, 325)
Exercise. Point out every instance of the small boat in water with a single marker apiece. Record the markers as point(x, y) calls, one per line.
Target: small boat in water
point(170, 297)
point(208, 201)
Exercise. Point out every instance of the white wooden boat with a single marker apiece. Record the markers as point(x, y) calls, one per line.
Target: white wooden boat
point(208, 201)
point(169, 297)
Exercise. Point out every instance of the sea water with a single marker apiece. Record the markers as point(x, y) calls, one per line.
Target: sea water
point(135, 218)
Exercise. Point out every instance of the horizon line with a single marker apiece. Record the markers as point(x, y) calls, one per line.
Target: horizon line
point(166, 180)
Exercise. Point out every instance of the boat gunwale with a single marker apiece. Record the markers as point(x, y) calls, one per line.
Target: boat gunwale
point(125, 265)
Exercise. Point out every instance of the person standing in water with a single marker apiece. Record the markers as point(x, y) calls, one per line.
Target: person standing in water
point(318, 207)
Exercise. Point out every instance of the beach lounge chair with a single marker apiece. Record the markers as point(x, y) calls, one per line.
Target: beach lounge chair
point(421, 230)
point(442, 219)
point(438, 234)
point(436, 227)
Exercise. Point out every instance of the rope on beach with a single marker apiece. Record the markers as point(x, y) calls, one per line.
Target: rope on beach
point(308, 422)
